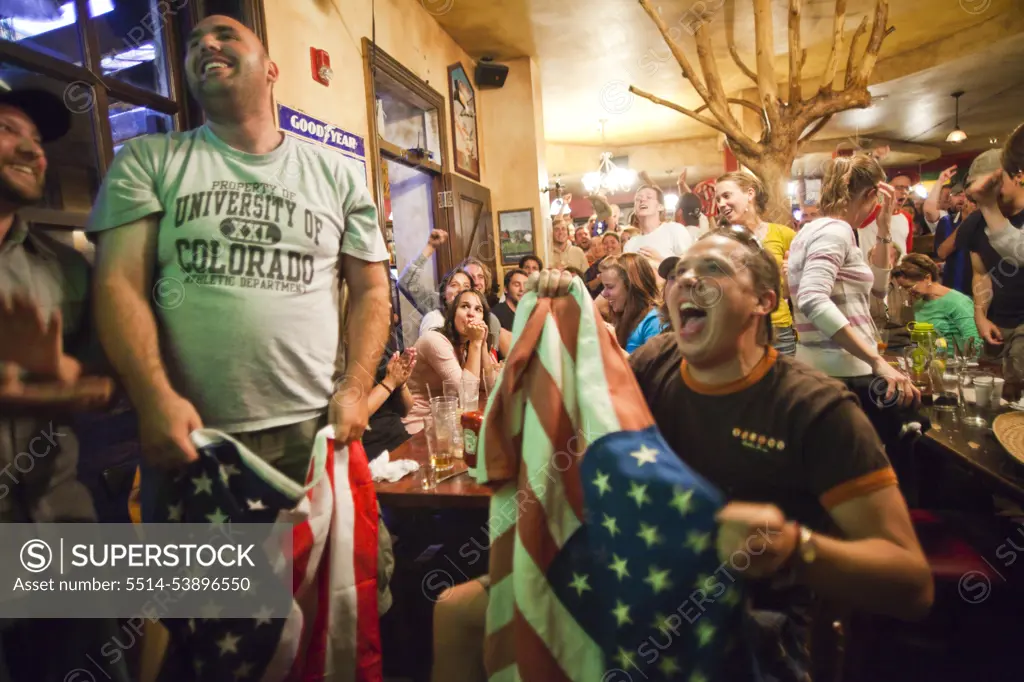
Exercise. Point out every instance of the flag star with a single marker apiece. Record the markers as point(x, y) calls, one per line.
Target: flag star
point(619, 566)
point(579, 583)
point(624, 659)
point(658, 580)
point(705, 632)
point(731, 597)
point(638, 493)
point(682, 501)
point(174, 511)
point(621, 613)
point(698, 676)
point(255, 505)
point(228, 643)
point(198, 665)
point(649, 534)
point(644, 455)
point(602, 484)
point(660, 622)
point(263, 616)
point(217, 517)
point(243, 671)
point(698, 542)
point(610, 524)
point(210, 611)
point(227, 471)
point(701, 581)
point(203, 484)
point(669, 667)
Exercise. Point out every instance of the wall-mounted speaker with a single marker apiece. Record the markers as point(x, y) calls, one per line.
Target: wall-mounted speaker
point(490, 75)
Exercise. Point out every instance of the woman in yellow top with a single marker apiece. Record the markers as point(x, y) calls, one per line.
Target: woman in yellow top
point(742, 200)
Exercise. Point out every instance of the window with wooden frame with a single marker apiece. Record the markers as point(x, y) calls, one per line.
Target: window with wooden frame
point(118, 66)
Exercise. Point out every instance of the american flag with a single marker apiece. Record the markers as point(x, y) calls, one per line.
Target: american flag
point(332, 630)
point(603, 564)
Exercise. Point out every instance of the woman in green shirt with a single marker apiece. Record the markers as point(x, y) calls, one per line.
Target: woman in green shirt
point(950, 311)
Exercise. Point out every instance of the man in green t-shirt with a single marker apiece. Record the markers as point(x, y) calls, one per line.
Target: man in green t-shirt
point(221, 254)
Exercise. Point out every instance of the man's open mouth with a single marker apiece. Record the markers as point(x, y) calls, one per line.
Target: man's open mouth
point(693, 319)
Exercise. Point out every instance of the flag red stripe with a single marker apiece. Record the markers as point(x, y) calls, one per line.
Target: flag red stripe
point(369, 666)
point(501, 555)
point(533, 658)
point(630, 406)
point(532, 526)
point(315, 662)
point(500, 649)
point(568, 443)
point(566, 311)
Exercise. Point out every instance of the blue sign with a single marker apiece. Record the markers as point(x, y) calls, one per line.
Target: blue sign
point(296, 122)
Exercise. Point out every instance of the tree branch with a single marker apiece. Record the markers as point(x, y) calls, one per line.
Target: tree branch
point(742, 102)
point(717, 103)
point(677, 52)
point(838, 24)
point(730, 40)
point(744, 142)
point(822, 122)
point(878, 33)
point(850, 71)
point(796, 54)
point(764, 38)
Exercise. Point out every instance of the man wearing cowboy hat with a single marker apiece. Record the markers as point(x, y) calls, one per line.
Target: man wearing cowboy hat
point(43, 289)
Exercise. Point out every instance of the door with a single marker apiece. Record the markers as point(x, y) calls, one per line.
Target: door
point(470, 224)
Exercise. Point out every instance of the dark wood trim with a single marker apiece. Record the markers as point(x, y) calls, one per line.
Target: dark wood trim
point(133, 94)
point(393, 151)
point(46, 65)
point(451, 116)
point(100, 111)
point(379, 64)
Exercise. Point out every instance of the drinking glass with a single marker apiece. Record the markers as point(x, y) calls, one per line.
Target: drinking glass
point(452, 389)
point(440, 445)
point(882, 340)
point(445, 411)
point(469, 399)
point(975, 411)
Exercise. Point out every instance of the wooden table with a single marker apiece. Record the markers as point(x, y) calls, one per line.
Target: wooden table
point(459, 491)
point(977, 450)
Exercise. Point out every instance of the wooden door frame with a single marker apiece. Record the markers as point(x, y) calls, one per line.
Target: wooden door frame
point(377, 62)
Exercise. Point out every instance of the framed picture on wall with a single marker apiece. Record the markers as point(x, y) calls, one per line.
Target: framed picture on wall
point(515, 235)
point(462, 104)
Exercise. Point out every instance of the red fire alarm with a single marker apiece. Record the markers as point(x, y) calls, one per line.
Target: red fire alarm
point(321, 64)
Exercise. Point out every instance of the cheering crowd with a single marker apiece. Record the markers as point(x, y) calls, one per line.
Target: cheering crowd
point(719, 317)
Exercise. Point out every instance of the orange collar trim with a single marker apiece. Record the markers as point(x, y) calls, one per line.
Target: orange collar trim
point(735, 386)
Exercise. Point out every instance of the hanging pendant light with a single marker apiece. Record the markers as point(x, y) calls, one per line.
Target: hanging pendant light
point(608, 177)
point(958, 135)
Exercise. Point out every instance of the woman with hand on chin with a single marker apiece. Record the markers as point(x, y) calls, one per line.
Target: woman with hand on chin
point(460, 349)
point(832, 287)
point(742, 200)
point(631, 291)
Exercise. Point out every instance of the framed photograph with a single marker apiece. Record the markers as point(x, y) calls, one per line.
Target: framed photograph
point(515, 235)
point(462, 103)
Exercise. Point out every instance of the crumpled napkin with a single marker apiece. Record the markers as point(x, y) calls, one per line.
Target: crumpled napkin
point(383, 469)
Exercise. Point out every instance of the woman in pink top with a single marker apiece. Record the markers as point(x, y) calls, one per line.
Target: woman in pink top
point(460, 349)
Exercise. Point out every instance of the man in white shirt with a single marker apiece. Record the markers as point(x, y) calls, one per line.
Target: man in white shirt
point(658, 239)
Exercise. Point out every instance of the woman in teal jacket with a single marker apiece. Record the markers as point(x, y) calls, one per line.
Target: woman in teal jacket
point(951, 312)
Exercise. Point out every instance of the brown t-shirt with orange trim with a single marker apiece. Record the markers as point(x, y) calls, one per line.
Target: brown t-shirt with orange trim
point(786, 434)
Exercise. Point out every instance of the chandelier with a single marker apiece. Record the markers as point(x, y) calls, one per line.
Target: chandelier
point(608, 178)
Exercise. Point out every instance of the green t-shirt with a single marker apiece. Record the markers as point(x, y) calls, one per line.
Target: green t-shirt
point(246, 280)
point(952, 315)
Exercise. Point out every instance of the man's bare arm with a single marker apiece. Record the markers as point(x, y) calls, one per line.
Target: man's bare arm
point(948, 245)
point(123, 284)
point(981, 286)
point(368, 322)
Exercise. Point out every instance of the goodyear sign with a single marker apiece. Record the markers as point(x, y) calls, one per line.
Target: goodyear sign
point(304, 125)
